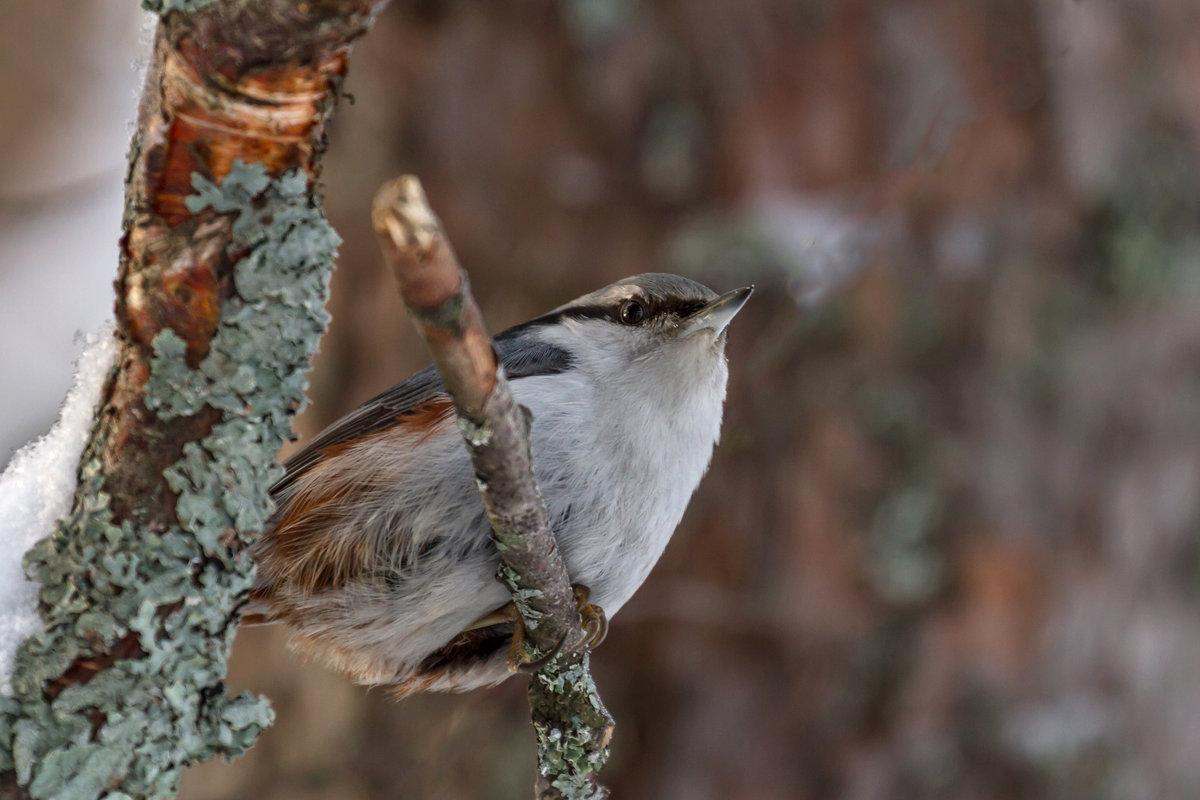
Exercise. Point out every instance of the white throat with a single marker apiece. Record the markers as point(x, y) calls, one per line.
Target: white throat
point(640, 428)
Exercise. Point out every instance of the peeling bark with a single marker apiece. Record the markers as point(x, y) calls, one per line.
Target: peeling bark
point(225, 259)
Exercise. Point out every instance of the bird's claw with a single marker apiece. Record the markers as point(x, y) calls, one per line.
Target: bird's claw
point(518, 661)
point(594, 623)
point(594, 620)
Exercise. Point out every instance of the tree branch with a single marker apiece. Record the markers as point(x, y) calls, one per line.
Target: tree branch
point(572, 726)
point(225, 262)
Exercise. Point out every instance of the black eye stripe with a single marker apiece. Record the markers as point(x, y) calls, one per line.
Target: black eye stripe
point(654, 307)
point(686, 309)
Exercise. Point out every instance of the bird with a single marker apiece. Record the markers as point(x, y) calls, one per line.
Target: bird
point(379, 556)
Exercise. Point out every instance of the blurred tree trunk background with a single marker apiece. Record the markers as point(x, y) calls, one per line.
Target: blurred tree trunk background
point(950, 545)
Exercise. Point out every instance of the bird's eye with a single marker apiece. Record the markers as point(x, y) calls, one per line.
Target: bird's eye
point(632, 312)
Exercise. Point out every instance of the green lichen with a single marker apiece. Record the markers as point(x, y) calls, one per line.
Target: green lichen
point(476, 434)
point(521, 596)
point(568, 753)
point(137, 723)
point(447, 315)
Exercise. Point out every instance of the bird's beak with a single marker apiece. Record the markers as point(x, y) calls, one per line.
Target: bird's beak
point(717, 314)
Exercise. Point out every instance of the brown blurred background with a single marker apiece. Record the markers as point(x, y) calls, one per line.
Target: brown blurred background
point(950, 544)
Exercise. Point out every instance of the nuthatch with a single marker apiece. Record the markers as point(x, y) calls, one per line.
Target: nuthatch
point(379, 555)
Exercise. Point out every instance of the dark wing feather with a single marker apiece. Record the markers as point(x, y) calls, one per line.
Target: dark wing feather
point(521, 352)
point(374, 415)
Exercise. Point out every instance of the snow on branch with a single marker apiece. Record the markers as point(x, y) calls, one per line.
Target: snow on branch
point(36, 490)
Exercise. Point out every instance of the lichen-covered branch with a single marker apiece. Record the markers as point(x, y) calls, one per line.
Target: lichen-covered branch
point(224, 270)
point(572, 726)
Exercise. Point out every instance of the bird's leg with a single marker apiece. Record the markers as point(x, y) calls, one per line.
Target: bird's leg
point(594, 624)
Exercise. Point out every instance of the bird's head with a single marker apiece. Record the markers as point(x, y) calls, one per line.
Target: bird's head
point(655, 329)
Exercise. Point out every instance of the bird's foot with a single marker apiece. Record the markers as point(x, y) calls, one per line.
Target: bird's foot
point(594, 623)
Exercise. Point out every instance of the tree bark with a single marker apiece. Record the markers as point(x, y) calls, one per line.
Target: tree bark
point(225, 260)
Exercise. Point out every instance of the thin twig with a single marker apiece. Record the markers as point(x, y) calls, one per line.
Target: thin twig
point(572, 726)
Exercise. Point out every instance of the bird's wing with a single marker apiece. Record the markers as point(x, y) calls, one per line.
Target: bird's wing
point(523, 355)
point(380, 412)
point(297, 550)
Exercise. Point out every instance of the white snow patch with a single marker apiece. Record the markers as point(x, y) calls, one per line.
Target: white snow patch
point(36, 490)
